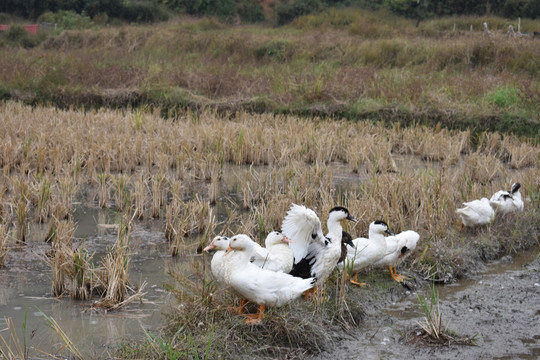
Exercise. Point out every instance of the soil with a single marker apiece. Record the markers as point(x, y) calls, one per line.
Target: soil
point(499, 305)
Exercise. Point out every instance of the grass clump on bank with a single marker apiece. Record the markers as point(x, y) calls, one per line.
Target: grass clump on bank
point(433, 331)
point(200, 325)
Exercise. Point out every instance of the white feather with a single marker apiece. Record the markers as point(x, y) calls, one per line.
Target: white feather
point(299, 225)
point(261, 286)
point(476, 212)
point(505, 202)
point(278, 256)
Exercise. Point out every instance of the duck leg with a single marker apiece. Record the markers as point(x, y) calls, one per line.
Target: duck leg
point(461, 228)
point(241, 308)
point(397, 277)
point(354, 280)
point(310, 293)
point(255, 319)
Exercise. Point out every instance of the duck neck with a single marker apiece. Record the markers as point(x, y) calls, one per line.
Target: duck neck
point(377, 237)
point(335, 231)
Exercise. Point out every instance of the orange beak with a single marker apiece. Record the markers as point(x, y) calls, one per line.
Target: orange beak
point(286, 240)
point(209, 247)
point(230, 249)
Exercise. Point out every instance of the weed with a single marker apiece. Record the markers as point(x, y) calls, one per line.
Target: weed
point(433, 331)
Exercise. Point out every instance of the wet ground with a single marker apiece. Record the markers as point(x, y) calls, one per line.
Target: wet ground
point(500, 305)
point(25, 288)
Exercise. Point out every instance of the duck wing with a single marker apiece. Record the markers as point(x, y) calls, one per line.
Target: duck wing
point(303, 227)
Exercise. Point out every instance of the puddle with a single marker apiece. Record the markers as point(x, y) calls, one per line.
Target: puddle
point(25, 290)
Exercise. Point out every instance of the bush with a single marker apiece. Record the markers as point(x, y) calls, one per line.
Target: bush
point(286, 12)
point(68, 20)
point(504, 97)
point(250, 11)
point(16, 35)
point(145, 12)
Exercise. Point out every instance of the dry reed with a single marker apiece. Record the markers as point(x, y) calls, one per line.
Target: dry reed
point(4, 237)
point(180, 171)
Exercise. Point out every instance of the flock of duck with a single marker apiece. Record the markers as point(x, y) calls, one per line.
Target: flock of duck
point(300, 257)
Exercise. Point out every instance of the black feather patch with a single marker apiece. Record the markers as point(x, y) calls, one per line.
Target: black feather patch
point(302, 269)
point(404, 250)
point(515, 187)
point(380, 222)
point(346, 239)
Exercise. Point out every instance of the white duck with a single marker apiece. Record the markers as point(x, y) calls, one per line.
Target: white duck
point(398, 247)
point(321, 258)
point(476, 213)
point(261, 286)
point(367, 252)
point(505, 202)
point(221, 244)
point(277, 255)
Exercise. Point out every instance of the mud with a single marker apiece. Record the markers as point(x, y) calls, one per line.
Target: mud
point(499, 305)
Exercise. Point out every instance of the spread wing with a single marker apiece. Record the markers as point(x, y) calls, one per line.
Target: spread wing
point(302, 226)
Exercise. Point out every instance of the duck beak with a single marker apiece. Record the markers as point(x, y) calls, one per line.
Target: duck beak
point(351, 244)
point(390, 232)
point(351, 218)
point(209, 247)
point(286, 240)
point(230, 249)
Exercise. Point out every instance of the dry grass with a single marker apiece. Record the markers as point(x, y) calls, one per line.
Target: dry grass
point(179, 170)
point(4, 237)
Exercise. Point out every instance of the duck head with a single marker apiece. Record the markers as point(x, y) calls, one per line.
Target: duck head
point(379, 227)
point(339, 213)
point(276, 237)
point(239, 242)
point(218, 243)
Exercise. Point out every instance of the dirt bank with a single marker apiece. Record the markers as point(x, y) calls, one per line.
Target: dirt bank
point(499, 303)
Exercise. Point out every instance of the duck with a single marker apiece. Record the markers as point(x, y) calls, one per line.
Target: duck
point(476, 213)
point(505, 202)
point(367, 251)
point(260, 286)
point(277, 255)
point(320, 259)
point(398, 248)
point(221, 244)
point(346, 239)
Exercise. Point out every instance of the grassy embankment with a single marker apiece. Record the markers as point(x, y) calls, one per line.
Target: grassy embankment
point(144, 166)
point(351, 63)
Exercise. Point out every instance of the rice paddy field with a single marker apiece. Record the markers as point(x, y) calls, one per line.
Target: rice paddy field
point(125, 150)
point(104, 213)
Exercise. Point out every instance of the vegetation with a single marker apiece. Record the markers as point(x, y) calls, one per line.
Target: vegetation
point(413, 178)
point(433, 331)
point(365, 65)
point(253, 11)
point(172, 121)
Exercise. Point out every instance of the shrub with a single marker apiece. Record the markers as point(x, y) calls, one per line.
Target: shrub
point(504, 97)
point(67, 20)
point(17, 36)
point(286, 12)
point(250, 11)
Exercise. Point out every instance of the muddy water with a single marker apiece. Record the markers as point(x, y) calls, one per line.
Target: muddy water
point(500, 305)
point(25, 288)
